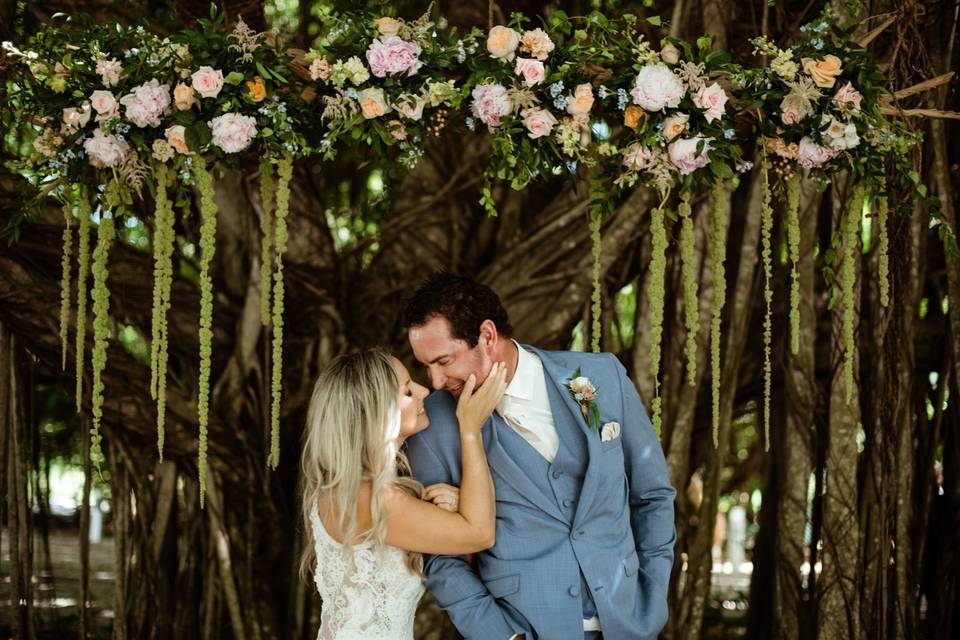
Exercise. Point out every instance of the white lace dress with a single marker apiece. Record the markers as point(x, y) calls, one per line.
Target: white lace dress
point(376, 602)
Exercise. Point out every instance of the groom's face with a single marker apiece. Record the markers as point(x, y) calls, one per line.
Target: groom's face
point(449, 361)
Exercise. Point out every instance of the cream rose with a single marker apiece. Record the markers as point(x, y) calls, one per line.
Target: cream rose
point(674, 125)
point(670, 54)
point(388, 26)
point(582, 100)
point(207, 81)
point(184, 96)
point(502, 42)
point(539, 122)
point(713, 99)
point(104, 103)
point(76, 118)
point(530, 70)
point(824, 71)
point(372, 102)
point(410, 106)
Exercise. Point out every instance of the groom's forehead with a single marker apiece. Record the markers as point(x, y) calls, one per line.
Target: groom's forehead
point(434, 339)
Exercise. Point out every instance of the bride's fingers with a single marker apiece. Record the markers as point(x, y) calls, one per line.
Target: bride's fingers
point(468, 387)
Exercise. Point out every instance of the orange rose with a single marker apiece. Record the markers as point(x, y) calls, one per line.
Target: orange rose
point(258, 90)
point(824, 72)
point(632, 116)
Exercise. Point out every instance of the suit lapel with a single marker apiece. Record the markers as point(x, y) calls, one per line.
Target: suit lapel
point(506, 468)
point(557, 377)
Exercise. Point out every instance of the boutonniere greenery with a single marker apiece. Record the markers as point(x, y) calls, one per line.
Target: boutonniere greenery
point(585, 395)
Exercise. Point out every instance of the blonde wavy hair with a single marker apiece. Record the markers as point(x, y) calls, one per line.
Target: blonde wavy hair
point(350, 438)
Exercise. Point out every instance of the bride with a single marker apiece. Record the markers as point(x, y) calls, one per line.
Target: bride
point(367, 521)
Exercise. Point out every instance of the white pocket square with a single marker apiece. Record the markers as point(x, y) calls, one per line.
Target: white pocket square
point(610, 431)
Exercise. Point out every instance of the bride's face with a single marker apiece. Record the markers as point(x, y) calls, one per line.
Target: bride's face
point(413, 417)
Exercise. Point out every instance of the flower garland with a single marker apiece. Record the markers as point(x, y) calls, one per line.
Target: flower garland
point(656, 291)
point(766, 231)
point(793, 243)
point(83, 268)
point(691, 308)
point(208, 245)
point(163, 245)
point(285, 173)
point(267, 190)
point(718, 250)
point(65, 267)
point(850, 228)
point(101, 331)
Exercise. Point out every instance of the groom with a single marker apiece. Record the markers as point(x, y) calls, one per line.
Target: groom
point(584, 538)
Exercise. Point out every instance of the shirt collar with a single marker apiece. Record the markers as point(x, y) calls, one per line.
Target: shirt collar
point(525, 377)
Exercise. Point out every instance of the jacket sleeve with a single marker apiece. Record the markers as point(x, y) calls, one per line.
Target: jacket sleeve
point(454, 584)
point(651, 499)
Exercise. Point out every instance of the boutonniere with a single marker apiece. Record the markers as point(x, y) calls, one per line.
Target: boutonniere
point(585, 395)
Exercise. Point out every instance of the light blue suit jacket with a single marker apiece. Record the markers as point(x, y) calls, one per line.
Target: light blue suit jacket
point(601, 542)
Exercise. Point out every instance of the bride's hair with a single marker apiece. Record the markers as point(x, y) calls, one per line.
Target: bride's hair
point(350, 437)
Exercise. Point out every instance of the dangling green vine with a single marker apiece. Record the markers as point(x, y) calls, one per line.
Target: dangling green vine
point(267, 190)
point(851, 227)
point(718, 251)
point(884, 248)
point(691, 308)
point(285, 172)
point(793, 242)
point(101, 331)
point(208, 245)
point(83, 268)
point(655, 291)
point(766, 231)
point(65, 266)
point(163, 243)
point(597, 309)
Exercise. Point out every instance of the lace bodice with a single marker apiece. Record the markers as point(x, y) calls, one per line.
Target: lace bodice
point(377, 601)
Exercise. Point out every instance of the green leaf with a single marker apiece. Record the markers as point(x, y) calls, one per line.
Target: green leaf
point(234, 78)
point(704, 43)
point(263, 71)
point(655, 21)
point(267, 132)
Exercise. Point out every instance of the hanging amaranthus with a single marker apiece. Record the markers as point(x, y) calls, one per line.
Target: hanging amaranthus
point(850, 227)
point(718, 251)
point(65, 267)
point(690, 305)
point(655, 291)
point(163, 243)
point(597, 309)
point(267, 190)
point(766, 231)
point(285, 172)
point(208, 245)
point(83, 268)
point(884, 248)
point(793, 242)
point(101, 331)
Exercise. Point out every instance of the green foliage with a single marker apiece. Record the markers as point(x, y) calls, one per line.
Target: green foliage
point(883, 249)
point(720, 198)
point(691, 307)
point(766, 231)
point(101, 331)
point(850, 229)
point(656, 282)
point(164, 238)
point(285, 173)
point(83, 268)
point(793, 242)
point(267, 189)
point(65, 267)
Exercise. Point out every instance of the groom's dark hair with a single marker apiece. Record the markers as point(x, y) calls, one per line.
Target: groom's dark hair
point(462, 301)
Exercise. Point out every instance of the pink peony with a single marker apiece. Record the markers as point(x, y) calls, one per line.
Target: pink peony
point(810, 154)
point(233, 132)
point(207, 81)
point(656, 87)
point(490, 103)
point(539, 122)
point(105, 151)
point(847, 98)
point(713, 99)
point(530, 70)
point(683, 154)
point(390, 55)
point(147, 103)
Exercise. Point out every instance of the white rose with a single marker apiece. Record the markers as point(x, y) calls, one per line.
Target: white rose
point(207, 82)
point(670, 54)
point(104, 103)
point(656, 87)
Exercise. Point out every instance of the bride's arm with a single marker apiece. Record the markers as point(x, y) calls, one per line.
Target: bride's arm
point(416, 525)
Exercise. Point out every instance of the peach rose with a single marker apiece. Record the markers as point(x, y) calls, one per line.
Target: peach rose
point(176, 138)
point(184, 96)
point(537, 43)
point(670, 54)
point(632, 116)
point(582, 100)
point(258, 90)
point(372, 103)
point(502, 42)
point(824, 71)
point(674, 125)
point(388, 26)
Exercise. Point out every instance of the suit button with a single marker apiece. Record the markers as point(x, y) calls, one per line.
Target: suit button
point(556, 474)
point(568, 503)
point(576, 534)
point(574, 591)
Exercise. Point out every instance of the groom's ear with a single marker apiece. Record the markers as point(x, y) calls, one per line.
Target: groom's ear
point(489, 337)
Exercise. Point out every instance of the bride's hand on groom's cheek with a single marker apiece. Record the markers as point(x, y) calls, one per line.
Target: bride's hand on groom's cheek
point(444, 496)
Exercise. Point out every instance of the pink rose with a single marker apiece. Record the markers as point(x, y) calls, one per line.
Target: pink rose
point(530, 70)
point(410, 106)
point(104, 104)
point(105, 151)
point(793, 109)
point(657, 87)
point(397, 129)
point(810, 154)
point(683, 154)
point(207, 82)
point(147, 103)
point(390, 55)
point(582, 100)
point(490, 103)
point(539, 122)
point(847, 98)
point(233, 132)
point(713, 99)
